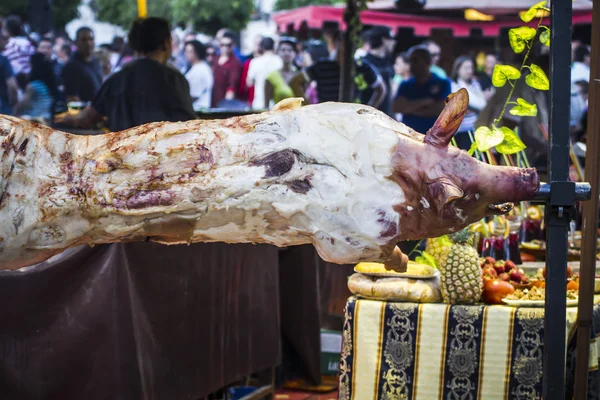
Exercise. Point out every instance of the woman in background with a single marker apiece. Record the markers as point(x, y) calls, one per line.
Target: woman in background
point(463, 76)
point(41, 91)
point(199, 76)
point(277, 85)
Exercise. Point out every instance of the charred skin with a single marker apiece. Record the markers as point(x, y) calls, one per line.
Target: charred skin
point(343, 177)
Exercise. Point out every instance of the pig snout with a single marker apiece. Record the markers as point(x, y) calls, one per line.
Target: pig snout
point(510, 184)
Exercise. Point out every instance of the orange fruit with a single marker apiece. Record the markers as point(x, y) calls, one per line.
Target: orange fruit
point(573, 285)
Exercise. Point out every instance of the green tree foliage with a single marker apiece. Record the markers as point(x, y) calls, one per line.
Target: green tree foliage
point(291, 4)
point(63, 11)
point(122, 13)
point(206, 16)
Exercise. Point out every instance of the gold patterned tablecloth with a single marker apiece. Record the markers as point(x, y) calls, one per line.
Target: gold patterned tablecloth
point(437, 351)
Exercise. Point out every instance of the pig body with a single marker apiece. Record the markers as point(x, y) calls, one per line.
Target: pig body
point(343, 177)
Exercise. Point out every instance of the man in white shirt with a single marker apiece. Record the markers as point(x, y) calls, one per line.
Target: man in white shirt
point(260, 67)
point(580, 70)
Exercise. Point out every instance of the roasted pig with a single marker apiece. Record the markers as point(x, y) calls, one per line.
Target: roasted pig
point(344, 177)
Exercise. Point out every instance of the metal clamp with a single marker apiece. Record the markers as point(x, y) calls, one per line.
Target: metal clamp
point(564, 193)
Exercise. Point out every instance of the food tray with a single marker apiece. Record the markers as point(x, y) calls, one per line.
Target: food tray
point(534, 303)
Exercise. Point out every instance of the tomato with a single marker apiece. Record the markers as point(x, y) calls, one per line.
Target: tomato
point(495, 290)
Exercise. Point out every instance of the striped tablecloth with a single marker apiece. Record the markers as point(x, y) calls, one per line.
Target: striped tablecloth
point(396, 351)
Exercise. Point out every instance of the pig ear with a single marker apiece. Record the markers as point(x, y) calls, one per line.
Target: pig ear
point(449, 120)
point(442, 192)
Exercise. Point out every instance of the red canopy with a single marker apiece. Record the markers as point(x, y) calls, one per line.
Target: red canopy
point(315, 16)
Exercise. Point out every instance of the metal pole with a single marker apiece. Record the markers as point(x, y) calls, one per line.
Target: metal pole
point(590, 217)
point(562, 197)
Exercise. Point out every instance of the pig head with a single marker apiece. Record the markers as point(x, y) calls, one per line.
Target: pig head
point(445, 188)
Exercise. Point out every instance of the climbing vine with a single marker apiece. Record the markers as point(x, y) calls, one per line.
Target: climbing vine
point(504, 139)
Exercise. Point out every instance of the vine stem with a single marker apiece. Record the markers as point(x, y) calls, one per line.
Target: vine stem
point(523, 66)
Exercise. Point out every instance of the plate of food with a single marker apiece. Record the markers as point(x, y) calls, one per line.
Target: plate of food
point(414, 270)
point(535, 297)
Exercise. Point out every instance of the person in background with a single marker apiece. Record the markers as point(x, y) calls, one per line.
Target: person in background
point(178, 57)
point(401, 71)
point(485, 76)
point(463, 76)
point(59, 42)
point(62, 55)
point(421, 98)
point(146, 89)
point(315, 51)
point(366, 45)
point(62, 52)
point(18, 48)
point(277, 85)
point(436, 53)
point(103, 57)
point(331, 35)
point(41, 91)
point(580, 69)
point(127, 55)
point(300, 48)
point(260, 68)
point(45, 47)
point(3, 38)
point(199, 76)
point(211, 52)
point(227, 70)
point(578, 105)
point(381, 45)
point(246, 92)
point(327, 74)
point(8, 87)
point(116, 48)
point(236, 50)
point(82, 75)
point(190, 37)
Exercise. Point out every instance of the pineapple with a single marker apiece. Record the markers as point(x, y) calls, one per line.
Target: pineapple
point(438, 248)
point(460, 273)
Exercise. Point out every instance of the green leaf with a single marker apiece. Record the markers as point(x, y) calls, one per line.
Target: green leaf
point(473, 148)
point(427, 259)
point(545, 37)
point(487, 138)
point(519, 37)
point(531, 13)
point(511, 144)
point(537, 78)
point(524, 109)
point(502, 73)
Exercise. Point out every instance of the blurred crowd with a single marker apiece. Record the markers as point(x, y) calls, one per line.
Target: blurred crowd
point(39, 77)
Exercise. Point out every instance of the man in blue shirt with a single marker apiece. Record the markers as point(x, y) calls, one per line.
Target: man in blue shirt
point(421, 98)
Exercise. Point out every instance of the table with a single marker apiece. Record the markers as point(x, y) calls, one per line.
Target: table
point(139, 321)
point(438, 351)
